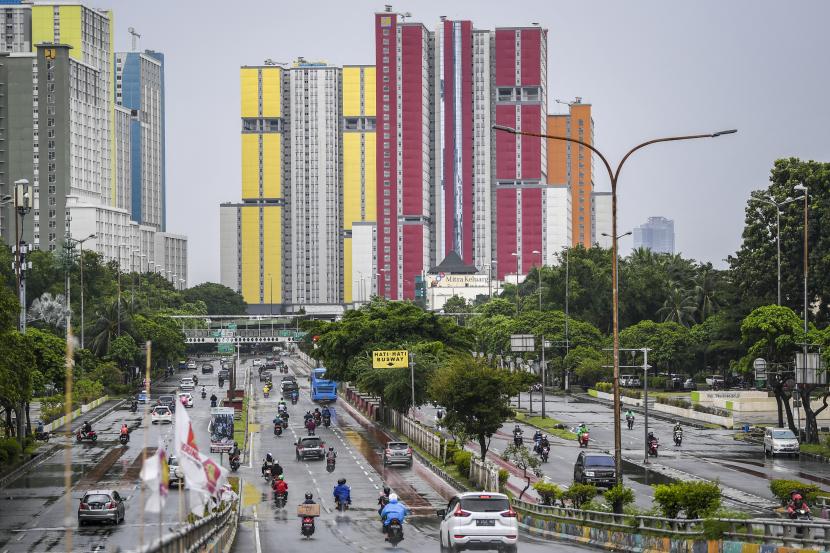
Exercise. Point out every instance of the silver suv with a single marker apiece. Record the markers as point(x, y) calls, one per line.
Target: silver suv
point(397, 452)
point(310, 446)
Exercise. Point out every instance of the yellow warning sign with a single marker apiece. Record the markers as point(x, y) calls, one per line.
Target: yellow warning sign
point(390, 359)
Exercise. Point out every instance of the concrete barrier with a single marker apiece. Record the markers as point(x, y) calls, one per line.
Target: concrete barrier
point(57, 423)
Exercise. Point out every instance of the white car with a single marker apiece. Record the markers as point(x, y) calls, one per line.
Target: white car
point(161, 413)
point(186, 399)
point(780, 441)
point(479, 520)
point(257, 362)
point(191, 365)
point(187, 384)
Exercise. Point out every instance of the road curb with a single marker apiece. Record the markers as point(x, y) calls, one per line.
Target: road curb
point(651, 413)
point(41, 457)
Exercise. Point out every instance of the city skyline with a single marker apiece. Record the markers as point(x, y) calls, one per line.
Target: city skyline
point(677, 181)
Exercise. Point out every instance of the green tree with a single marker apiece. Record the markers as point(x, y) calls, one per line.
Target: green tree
point(587, 364)
point(16, 366)
point(670, 343)
point(50, 356)
point(166, 336)
point(123, 350)
point(219, 299)
point(394, 385)
point(9, 310)
point(773, 332)
point(110, 323)
point(679, 307)
point(754, 265)
point(456, 304)
point(461, 384)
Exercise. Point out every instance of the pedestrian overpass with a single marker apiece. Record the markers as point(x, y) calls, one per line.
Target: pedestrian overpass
point(240, 329)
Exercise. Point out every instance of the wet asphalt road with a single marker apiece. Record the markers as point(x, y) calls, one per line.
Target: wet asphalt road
point(707, 453)
point(264, 528)
point(35, 515)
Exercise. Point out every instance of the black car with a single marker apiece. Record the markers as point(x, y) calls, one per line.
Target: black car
point(168, 400)
point(224, 374)
point(207, 368)
point(310, 447)
point(595, 468)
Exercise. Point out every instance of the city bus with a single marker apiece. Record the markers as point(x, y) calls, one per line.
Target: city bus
point(322, 389)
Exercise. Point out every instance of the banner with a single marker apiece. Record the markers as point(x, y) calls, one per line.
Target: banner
point(155, 473)
point(187, 452)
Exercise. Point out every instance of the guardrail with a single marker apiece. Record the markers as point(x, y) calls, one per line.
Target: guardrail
point(218, 529)
point(60, 421)
point(766, 531)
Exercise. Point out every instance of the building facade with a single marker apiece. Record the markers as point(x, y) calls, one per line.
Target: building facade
point(139, 78)
point(15, 26)
point(656, 234)
point(601, 219)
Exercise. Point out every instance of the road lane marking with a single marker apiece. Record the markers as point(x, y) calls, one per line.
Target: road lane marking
point(256, 531)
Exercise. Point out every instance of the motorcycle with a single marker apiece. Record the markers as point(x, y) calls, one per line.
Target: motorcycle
point(90, 436)
point(518, 440)
point(341, 505)
point(327, 421)
point(394, 532)
point(278, 428)
point(330, 465)
point(678, 438)
point(584, 438)
point(134, 407)
point(294, 398)
point(318, 420)
point(204, 395)
point(307, 526)
point(235, 464)
point(43, 436)
point(124, 439)
point(284, 418)
point(221, 383)
point(310, 427)
point(213, 403)
point(266, 392)
point(630, 421)
point(280, 499)
point(544, 454)
point(652, 447)
point(266, 473)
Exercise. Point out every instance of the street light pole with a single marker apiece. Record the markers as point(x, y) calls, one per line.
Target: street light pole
point(516, 255)
point(778, 207)
point(567, 297)
point(539, 275)
point(614, 176)
point(806, 191)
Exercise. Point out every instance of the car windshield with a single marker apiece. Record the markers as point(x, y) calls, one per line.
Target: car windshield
point(165, 399)
point(398, 445)
point(485, 505)
point(312, 442)
point(597, 461)
point(783, 434)
point(97, 498)
point(161, 411)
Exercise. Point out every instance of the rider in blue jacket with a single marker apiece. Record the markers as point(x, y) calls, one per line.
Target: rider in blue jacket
point(393, 509)
point(342, 492)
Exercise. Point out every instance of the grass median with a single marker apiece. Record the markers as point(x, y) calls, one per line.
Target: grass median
point(547, 424)
point(241, 424)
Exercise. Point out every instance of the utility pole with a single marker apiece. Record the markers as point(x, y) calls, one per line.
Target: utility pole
point(412, 379)
point(645, 401)
point(22, 206)
point(544, 375)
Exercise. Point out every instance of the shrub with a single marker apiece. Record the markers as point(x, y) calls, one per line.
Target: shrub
point(461, 459)
point(549, 492)
point(657, 382)
point(580, 493)
point(619, 493)
point(86, 390)
point(674, 402)
point(695, 499)
point(782, 488)
point(667, 497)
point(10, 449)
point(711, 410)
point(452, 449)
point(606, 387)
point(51, 408)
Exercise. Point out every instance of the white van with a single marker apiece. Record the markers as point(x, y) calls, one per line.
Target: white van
point(780, 441)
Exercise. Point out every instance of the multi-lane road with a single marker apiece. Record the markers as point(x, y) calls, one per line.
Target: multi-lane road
point(38, 513)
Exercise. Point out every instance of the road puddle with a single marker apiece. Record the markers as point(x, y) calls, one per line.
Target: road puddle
point(644, 476)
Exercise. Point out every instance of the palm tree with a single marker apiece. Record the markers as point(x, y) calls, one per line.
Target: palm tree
point(106, 327)
point(51, 310)
point(679, 307)
point(704, 292)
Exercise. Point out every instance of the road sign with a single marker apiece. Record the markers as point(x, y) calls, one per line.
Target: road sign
point(390, 359)
point(225, 348)
point(522, 342)
point(760, 366)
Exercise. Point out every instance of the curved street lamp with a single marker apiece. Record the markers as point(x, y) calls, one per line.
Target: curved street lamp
point(614, 176)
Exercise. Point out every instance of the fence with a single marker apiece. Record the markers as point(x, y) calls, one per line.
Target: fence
point(484, 475)
point(212, 533)
point(57, 423)
point(766, 531)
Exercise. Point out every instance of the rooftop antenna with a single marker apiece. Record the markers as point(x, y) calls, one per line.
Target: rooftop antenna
point(136, 36)
point(387, 8)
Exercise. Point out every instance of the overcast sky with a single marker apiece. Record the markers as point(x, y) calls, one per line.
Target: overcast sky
point(650, 68)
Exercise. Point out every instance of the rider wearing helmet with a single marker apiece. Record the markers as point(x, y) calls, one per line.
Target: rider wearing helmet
point(309, 499)
point(393, 510)
point(268, 462)
point(581, 429)
point(331, 455)
point(342, 492)
point(280, 486)
point(795, 504)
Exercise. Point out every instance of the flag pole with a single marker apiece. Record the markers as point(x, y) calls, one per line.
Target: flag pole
point(67, 404)
point(144, 449)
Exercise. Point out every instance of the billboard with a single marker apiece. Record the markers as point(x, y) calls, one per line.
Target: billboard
point(444, 280)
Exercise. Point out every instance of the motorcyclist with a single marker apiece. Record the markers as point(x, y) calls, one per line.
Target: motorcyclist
point(204, 392)
point(282, 407)
point(331, 455)
point(629, 414)
point(326, 412)
point(652, 439)
point(134, 405)
point(308, 416)
point(295, 395)
point(309, 499)
point(394, 509)
point(517, 430)
point(342, 492)
point(310, 425)
point(581, 429)
point(195, 380)
point(678, 428)
point(383, 498)
point(276, 470)
point(125, 430)
point(268, 462)
point(235, 452)
point(544, 443)
point(280, 486)
point(795, 504)
point(86, 429)
point(39, 429)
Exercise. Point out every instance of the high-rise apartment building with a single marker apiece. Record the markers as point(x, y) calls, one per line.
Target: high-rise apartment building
point(15, 26)
point(572, 164)
point(139, 87)
point(656, 234)
point(405, 159)
point(601, 219)
point(359, 188)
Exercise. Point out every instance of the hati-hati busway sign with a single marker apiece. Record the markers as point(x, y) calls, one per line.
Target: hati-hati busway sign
point(390, 359)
